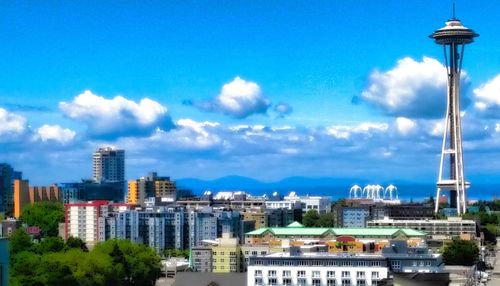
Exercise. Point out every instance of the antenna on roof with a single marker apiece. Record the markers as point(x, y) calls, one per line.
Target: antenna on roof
point(453, 11)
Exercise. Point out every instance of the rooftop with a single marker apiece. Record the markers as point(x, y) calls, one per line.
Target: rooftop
point(298, 229)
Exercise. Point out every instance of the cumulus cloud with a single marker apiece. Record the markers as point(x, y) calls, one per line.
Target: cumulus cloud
point(55, 133)
point(487, 98)
point(11, 125)
point(238, 98)
point(110, 118)
point(283, 109)
point(411, 89)
point(405, 125)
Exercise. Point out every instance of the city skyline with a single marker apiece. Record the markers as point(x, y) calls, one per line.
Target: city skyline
point(338, 89)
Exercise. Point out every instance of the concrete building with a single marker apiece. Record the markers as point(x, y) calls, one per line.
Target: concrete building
point(25, 195)
point(317, 269)
point(202, 226)
point(151, 186)
point(160, 228)
point(108, 165)
point(453, 227)
point(281, 217)
point(355, 216)
point(259, 216)
point(202, 258)
point(226, 255)
point(85, 220)
point(321, 204)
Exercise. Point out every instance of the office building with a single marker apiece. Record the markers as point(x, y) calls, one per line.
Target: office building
point(7, 177)
point(108, 165)
point(151, 186)
point(71, 192)
point(25, 195)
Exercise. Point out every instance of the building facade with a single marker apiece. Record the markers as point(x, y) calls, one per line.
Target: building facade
point(108, 165)
point(25, 195)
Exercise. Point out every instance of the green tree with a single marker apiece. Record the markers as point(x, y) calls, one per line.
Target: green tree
point(23, 268)
point(139, 263)
point(49, 244)
point(76, 242)
point(310, 218)
point(19, 241)
point(45, 215)
point(461, 252)
point(326, 220)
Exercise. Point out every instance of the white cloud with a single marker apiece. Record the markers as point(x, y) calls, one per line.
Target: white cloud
point(367, 129)
point(283, 109)
point(238, 98)
point(405, 125)
point(487, 98)
point(11, 124)
point(411, 89)
point(55, 133)
point(117, 116)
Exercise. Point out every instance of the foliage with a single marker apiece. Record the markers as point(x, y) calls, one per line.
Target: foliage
point(310, 218)
point(19, 241)
point(313, 219)
point(176, 252)
point(45, 215)
point(460, 252)
point(54, 262)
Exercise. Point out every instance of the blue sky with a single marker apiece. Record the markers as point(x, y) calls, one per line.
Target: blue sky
point(256, 88)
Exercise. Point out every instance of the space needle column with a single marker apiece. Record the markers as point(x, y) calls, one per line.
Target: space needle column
point(453, 37)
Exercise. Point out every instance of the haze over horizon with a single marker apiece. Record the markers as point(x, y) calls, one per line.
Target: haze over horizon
point(262, 90)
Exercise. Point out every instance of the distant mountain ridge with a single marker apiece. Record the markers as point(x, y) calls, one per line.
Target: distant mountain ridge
point(324, 186)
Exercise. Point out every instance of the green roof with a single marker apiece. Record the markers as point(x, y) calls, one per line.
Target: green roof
point(321, 231)
point(295, 224)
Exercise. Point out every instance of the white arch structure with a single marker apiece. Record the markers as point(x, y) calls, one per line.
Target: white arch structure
point(355, 191)
point(392, 191)
point(375, 192)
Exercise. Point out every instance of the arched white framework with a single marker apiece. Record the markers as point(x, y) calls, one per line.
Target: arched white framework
point(355, 191)
point(392, 190)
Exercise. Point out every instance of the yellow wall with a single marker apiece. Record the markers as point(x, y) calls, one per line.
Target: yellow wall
point(226, 259)
point(133, 193)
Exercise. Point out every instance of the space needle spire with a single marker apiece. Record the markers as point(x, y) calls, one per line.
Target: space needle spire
point(453, 37)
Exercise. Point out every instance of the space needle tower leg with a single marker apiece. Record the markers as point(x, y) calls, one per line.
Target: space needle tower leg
point(453, 37)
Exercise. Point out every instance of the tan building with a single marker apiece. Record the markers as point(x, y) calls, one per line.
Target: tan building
point(24, 195)
point(151, 186)
point(226, 256)
point(259, 217)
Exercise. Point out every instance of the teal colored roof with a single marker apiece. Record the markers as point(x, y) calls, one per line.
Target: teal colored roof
point(295, 224)
point(321, 231)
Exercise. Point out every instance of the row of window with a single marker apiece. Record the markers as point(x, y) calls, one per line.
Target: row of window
point(345, 263)
point(315, 282)
point(317, 274)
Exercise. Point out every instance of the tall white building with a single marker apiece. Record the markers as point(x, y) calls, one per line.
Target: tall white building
point(108, 165)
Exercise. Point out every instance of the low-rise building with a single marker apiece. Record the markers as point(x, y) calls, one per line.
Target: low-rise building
point(202, 258)
point(318, 269)
point(452, 227)
point(226, 255)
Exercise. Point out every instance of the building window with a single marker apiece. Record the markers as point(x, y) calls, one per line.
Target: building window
point(375, 275)
point(316, 274)
point(287, 281)
point(301, 273)
point(361, 282)
point(331, 282)
point(360, 275)
point(396, 264)
point(346, 282)
point(258, 281)
point(271, 273)
point(346, 274)
point(316, 282)
point(287, 273)
point(330, 274)
point(273, 281)
point(301, 282)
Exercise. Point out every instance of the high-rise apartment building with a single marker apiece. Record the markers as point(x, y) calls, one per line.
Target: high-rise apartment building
point(7, 177)
point(108, 165)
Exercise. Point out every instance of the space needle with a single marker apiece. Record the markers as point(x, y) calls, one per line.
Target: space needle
point(453, 37)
